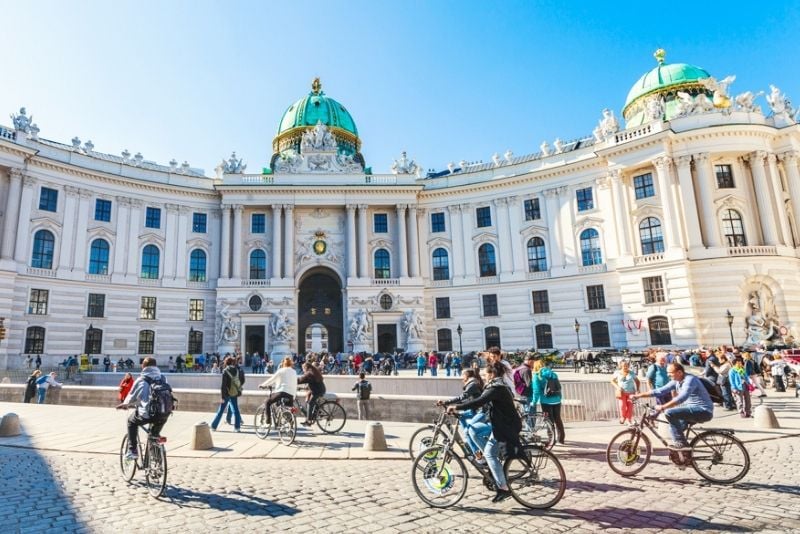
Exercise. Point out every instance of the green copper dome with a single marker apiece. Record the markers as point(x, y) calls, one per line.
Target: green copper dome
point(317, 106)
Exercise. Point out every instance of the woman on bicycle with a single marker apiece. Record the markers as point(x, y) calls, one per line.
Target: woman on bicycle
point(316, 390)
point(285, 380)
point(474, 423)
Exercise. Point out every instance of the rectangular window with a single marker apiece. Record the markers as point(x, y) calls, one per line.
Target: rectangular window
point(199, 221)
point(148, 309)
point(443, 307)
point(197, 309)
point(437, 222)
point(484, 216)
point(643, 186)
point(653, 289)
point(585, 200)
point(489, 305)
point(97, 305)
point(541, 302)
point(532, 211)
point(102, 210)
point(37, 305)
point(724, 176)
point(152, 218)
point(596, 297)
point(48, 199)
point(380, 223)
point(258, 223)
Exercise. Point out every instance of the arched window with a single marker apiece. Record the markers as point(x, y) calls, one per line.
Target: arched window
point(94, 341)
point(733, 228)
point(659, 330)
point(150, 260)
point(492, 336)
point(650, 236)
point(195, 342)
point(43, 245)
point(486, 262)
point(537, 257)
point(98, 257)
point(544, 336)
point(147, 341)
point(258, 265)
point(444, 337)
point(197, 266)
point(382, 264)
point(590, 247)
point(34, 340)
point(441, 265)
point(600, 336)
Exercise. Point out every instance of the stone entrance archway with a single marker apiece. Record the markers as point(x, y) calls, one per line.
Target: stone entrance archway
point(320, 302)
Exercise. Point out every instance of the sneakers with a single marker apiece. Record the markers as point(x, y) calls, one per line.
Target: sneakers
point(501, 495)
point(132, 454)
point(480, 461)
point(681, 447)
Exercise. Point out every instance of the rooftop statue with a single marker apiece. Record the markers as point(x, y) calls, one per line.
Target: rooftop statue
point(779, 103)
point(545, 149)
point(22, 122)
point(608, 124)
point(318, 138)
point(404, 165)
point(688, 105)
point(233, 165)
point(721, 98)
point(746, 101)
point(654, 108)
point(316, 86)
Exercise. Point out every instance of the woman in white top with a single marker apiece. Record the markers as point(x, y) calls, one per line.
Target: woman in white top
point(285, 381)
point(626, 384)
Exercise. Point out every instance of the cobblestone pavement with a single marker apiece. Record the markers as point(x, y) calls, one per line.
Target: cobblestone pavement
point(51, 491)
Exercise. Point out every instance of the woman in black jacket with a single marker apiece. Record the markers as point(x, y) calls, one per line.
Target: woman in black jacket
point(506, 424)
point(30, 386)
point(474, 423)
point(316, 386)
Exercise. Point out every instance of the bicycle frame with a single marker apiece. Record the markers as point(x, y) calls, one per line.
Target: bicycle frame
point(646, 421)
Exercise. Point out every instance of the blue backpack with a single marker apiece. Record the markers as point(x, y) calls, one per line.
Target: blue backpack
point(41, 380)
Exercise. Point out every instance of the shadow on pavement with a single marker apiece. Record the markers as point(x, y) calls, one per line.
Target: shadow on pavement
point(231, 501)
point(598, 486)
point(635, 518)
point(778, 488)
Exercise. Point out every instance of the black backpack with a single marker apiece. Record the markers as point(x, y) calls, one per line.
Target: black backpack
point(161, 403)
point(552, 386)
point(364, 390)
point(714, 390)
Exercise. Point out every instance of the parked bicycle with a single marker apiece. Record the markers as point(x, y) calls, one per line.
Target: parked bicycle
point(152, 460)
point(537, 428)
point(439, 475)
point(715, 454)
point(283, 421)
point(330, 415)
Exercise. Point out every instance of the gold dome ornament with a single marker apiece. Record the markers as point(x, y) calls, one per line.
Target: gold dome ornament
point(316, 86)
point(659, 54)
point(320, 247)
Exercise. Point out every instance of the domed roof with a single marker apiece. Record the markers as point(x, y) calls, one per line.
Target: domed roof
point(663, 77)
point(314, 107)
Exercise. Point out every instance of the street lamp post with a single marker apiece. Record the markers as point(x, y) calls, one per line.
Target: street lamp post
point(460, 346)
point(729, 317)
point(577, 327)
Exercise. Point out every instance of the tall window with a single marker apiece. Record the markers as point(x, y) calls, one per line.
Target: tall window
point(444, 338)
point(442, 307)
point(483, 216)
point(596, 297)
point(643, 186)
point(147, 339)
point(150, 259)
point(437, 222)
point(544, 336)
point(258, 265)
point(197, 266)
point(382, 264)
point(34, 340)
point(380, 223)
point(152, 217)
point(590, 247)
point(197, 309)
point(659, 330)
point(532, 211)
point(585, 199)
point(199, 223)
point(94, 341)
point(489, 305)
point(537, 257)
point(724, 176)
point(102, 210)
point(48, 199)
point(733, 228)
point(195, 342)
point(43, 245)
point(98, 257)
point(258, 223)
point(441, 265)
point(148, 308)
point(600, 336)
point(491, 336)
point(653, 289)
point(650, 236)
point(37, 305)
point(486, 262)
point(96, 306)
point(541, 302)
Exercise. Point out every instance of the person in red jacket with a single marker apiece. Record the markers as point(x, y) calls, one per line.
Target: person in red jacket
point(125, 386)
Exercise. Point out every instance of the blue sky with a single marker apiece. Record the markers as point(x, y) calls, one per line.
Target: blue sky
point(445, 81)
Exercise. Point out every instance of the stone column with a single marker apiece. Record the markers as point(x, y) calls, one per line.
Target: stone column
point(551, 215)
point(469, 257)
point(121, 242)
point(363, 253)
point(402, 256)
point(503, 236)
point(707, 210)
point(423, 229)
point(23, 228)
point(288, 241)
point(567, 225)
point(236, 255)
point(12, 214)
point(276, 241)
point(455, 239)
point(84, 208)
point(689, 204)
point(413, 241)
point(182, 254)
point(789, 161)
point(68, 228)
point(780, 205)
point(518, 251)
point(618, 192)
point(171, 246)
point(133, 237)
point(352, 266)
point(763, 197)
point(225, 247)
point(671, 234)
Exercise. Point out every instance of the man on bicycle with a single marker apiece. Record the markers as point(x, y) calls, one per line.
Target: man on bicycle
point(692, 404)
point(141, 392)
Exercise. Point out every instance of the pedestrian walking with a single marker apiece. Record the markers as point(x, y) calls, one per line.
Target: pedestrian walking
point(44, 383)
point(38, 361)
point(778, 372)
point(230, 391)
point(363, 390)
point(30, 386)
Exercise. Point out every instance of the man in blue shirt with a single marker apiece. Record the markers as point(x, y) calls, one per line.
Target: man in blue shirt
point(692, 404)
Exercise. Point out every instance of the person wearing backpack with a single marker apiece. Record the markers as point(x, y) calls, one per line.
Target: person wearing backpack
point(45, 382)
point(522, 380)
point(149, 395)
point(546, 389)
point(230, 391)
point(30, 386)
point(363, 390)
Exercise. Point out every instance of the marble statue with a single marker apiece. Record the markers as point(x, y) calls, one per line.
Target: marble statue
point(654, 108)
point(685, 104)
point(359, 326)
point(721, 98)
point(228, 330)
point(762, 321)
point(558, 145)
point(779, 104)
point(281, 327)
point(404, 165)
point(21, 121)
point(496, 159)
point(412, 324)
point(608, 124)
point(545, 149)
point(233, 165)
point(318, 138)
point(746, 101)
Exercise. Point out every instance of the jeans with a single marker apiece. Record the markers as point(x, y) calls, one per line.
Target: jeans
point(478, 431)
point(678, 417)
point(232, 403)
point(134, 422)
point(492, 454)
point(433, 371)
point(727, 394)
point(420, 371)
point(41, 394)
point(742, 397)
point(363, 409)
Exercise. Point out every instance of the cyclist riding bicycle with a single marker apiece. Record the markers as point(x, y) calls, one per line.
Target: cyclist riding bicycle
point(474, 424)
point(692, 404)
point(141, 392)
point(316, 390)
point(285, 379)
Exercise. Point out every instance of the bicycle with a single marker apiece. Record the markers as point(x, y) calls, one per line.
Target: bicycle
point(537, 428)
point(429, 435)
point(439, 476)
point(330, 415)
point(152, 460)
point(283, 421)
point(712, 450)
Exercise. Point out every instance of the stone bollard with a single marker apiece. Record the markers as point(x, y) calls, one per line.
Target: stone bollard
point(9, 425)
point(5, 380)
point(374, 439)
point(201, 437)
point(764, 417)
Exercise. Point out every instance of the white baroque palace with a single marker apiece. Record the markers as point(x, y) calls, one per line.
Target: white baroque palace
point(645, 233)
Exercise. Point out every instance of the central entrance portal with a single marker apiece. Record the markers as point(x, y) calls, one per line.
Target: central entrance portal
point(319, 313)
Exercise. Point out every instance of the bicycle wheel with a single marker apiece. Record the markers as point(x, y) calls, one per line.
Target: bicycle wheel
point(439, 477)
point(424, 438)
point(260, 423)
point(155, 471)
point(628, 453)
point(536, 480)
point(331, 417)
point(719, 457)
point(539, 430)
point(286, 424)
point(128, 467)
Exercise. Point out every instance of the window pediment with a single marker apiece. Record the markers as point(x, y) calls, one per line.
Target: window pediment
point(437, 242)
point(647, 210)
point(485, 237)
point(729, 202)
point(381, 243)
point(47, 223)
point(101, 232)
point(152, 237)
point(587, 222)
